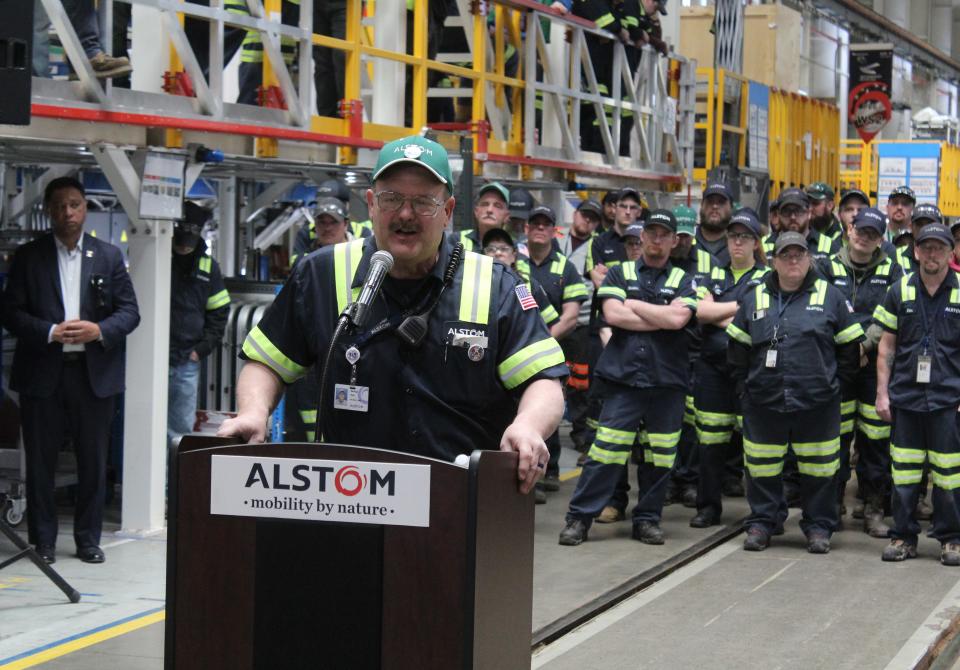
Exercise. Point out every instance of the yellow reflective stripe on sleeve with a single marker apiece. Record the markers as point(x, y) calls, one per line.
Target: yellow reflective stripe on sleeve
point(702, 292)
point(819, 469)
point(942, 460)
point(605, 20)
point(549, 314)
point(739, 334)
point(218, 300)
point(346, 260)
point(258, 348)
point(615, 436)
point(475, 288)
point(673, 281)
point(690, 302)
point(849, 334)
point(900, 455)
point(885, 318)
point(529, 361)
point(611, 292)
point(816, 448)
point(607, 457)
point(760, 450)
point(574, 291)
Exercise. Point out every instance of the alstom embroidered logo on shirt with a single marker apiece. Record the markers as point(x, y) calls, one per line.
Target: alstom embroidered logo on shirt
point(527, 301)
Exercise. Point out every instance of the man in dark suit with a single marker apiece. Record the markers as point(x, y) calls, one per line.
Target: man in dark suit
point(70, 303)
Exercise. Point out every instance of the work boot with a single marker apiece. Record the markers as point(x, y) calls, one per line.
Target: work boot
point(818, 542)
point(733, 488)
point(898, 550)
point(107, 67)
point(757, 539)
point(950, 553)
point(689, 495)
point(574, 533)
point(648, 532)
point(924, 511)
point(873, 524)
point(674, 493)
point(704, 519)
point(550, 483)
point(539, 495)
point(611, 514)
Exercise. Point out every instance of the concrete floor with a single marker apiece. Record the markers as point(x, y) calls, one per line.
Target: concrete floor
point(782, 608)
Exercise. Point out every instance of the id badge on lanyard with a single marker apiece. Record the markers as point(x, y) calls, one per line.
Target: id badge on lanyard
point(924, 363)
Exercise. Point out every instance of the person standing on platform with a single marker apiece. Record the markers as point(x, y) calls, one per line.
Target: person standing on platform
point(491, 210)
point(645, 368)
point(715, 212)
point(199, 306)
point(484, 375)
point(715, 399)
point(863, 273)
point(900, 204)
point(793, 343)
point(918, 390)
point(822, 218)
point(70, 303)
point(566, 290)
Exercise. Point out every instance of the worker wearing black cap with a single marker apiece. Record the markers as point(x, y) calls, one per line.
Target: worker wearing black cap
point(521, 202)
point(922, 214)
point(306, 238)
point(773, 216)
point(863, 272)
point(645, 368)
point(609, 203)
point(793, 342)
point(918, 390)
point(715, 402)
point(491, 210)
point(795, 217)
point(715, 211)
point(900, 204)
point(822, 219)
point(566, 291)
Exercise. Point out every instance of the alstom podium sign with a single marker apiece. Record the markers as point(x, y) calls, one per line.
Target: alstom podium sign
point(394, 494)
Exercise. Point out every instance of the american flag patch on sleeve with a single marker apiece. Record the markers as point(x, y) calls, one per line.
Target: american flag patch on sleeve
point(527, 301)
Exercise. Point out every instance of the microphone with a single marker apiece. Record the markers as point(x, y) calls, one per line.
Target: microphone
point(380, 264)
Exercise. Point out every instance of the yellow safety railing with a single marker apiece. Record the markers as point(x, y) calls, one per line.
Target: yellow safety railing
point(949, 200)
point(857, 166)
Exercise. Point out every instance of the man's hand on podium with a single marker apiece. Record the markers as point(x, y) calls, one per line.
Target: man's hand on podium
point(538, 415)
point(258, 389)
point(247, 428)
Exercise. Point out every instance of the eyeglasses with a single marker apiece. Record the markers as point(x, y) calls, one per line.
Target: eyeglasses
point(497, 249)
point(633, 242)
point(792, 256)
point(541, 222)
point(391, 201)
point(740, 238)
point(792, 213)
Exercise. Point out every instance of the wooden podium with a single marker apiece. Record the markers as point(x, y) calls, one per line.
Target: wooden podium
point(269, 593)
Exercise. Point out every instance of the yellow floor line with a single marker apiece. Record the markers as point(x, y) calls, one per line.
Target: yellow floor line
point(573, 474)
point(85, 641)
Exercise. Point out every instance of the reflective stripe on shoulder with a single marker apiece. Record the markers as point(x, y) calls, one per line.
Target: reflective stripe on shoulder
point(673, 280)
point(205, 264)
point(259, 348)
point(630, 271)
point(475, 288)
point(761, 297)
point(529, 361)
point(819, 292)
point(346, 260)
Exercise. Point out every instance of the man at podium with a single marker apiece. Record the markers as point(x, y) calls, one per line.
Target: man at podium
point(483, 373)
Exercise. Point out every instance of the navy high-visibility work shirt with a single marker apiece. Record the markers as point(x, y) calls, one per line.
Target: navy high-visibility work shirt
point(558, 277)
point(724, 286)
point(455, 393)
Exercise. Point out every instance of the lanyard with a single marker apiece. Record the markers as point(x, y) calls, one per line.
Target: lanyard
point(929, 325)
point(781, 308)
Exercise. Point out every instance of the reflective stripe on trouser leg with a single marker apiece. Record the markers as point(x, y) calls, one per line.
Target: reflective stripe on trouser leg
point(848, 415)
point(943, 454)
point(815, 439)
point(663, 420)
point(907, 455)
point(873, 449)
point(716, 411)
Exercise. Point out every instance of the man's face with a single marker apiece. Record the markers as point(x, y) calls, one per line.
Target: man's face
point(491, 211)
point(540, 231)
point(415, 210)
point(610, 210)
point(956, 244)
point(899, 209)
point(849, 210)
point(684, 244)
point(932, 256)
point(633, 247)
point(775, 220)
point(715, 211)
point(821, 208)
point(658, 242)
point(794, 218)
point(584, 223)
point(501, 251)
point(330, 231)
point(67, 209)
point(627, 211)
point(864, 240)
point(917, 225)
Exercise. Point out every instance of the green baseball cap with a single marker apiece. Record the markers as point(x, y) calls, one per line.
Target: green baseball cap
point(416, 150)
point(686, 220)
point(495, 186)
point(820, 191)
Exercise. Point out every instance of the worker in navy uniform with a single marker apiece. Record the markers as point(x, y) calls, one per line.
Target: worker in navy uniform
point(306, 238)
point(900, 204)
point(566, 291)
point(70, 303)
point(923, 214)
point(645, 368)
point(486, 373)
point(795, 216)
point(609, 203)
point(330, 227)
point(863, 273)
point(199, 306)
point(715, 399)
point(500, 246)
point(773, 217)
point(822, 202)
point(918, 390)
point(491, 210)
point(793, 343)
point(716, 208)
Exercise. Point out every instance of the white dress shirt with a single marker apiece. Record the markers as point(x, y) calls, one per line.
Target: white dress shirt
point(69, 262)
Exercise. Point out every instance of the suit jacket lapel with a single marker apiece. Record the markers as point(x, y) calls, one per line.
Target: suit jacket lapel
point(54, 273)
point(86, 271)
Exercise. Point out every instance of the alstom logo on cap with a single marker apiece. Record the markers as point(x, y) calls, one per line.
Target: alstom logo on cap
point(876, 216)
point(413, 150)
point(347, 480)
point(662, 218)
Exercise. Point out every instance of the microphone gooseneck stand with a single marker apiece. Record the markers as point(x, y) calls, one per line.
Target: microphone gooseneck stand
point(344, 323)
